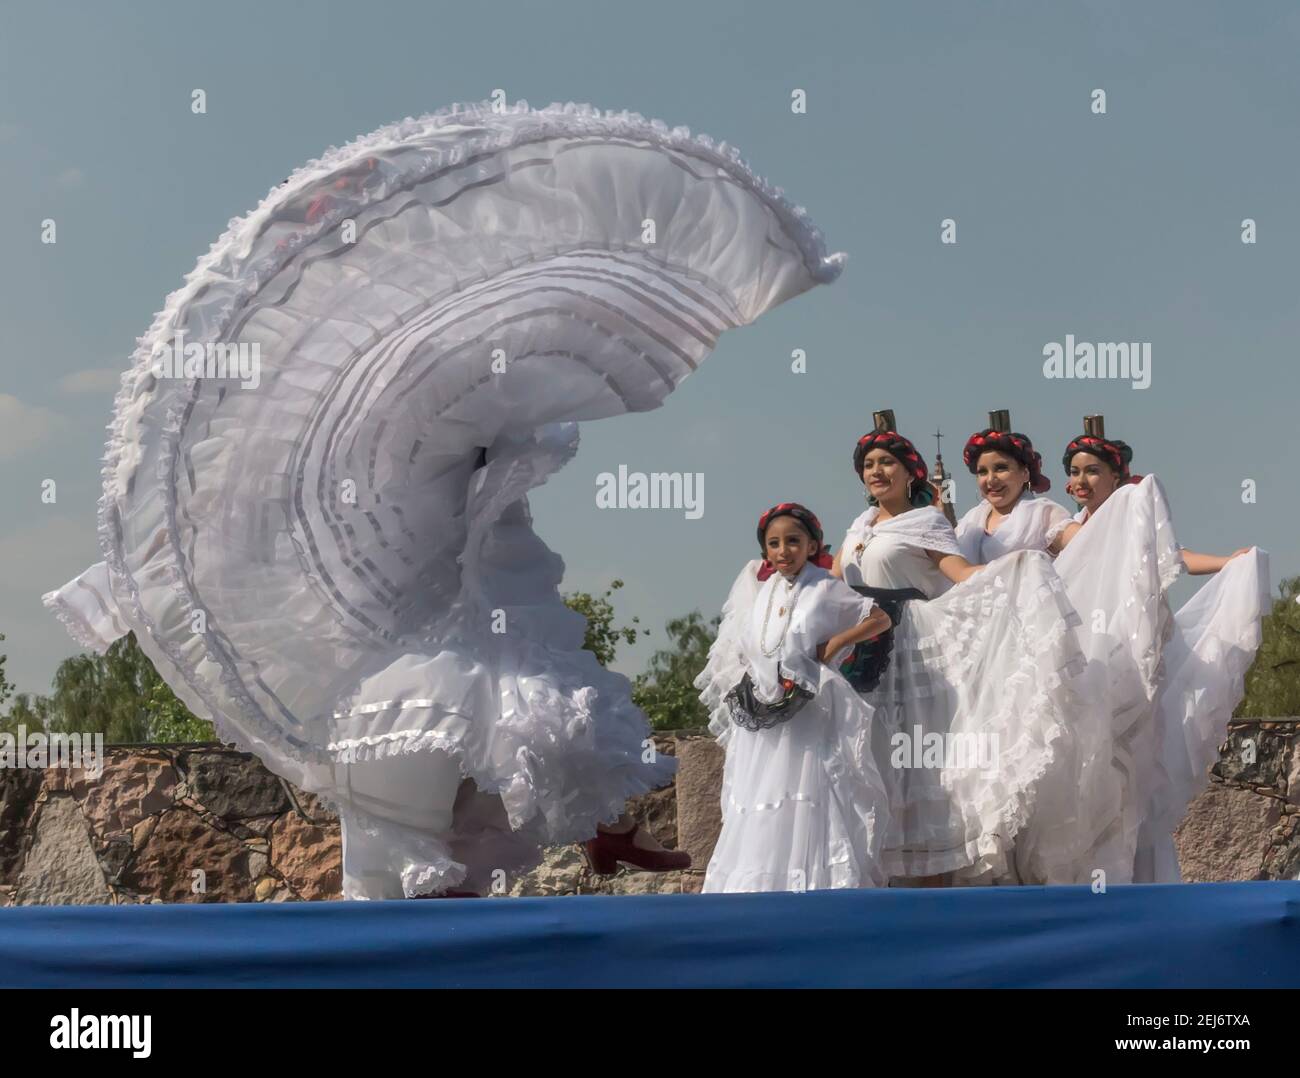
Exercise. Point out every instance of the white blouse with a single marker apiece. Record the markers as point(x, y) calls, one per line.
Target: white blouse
point(894, 553)
point(799, 615)
point(1034, 523)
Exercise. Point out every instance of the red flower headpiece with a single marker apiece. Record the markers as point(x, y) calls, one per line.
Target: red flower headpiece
point(895, 444)
point(1114, 452)
point(1014, 445)
point(811, 524)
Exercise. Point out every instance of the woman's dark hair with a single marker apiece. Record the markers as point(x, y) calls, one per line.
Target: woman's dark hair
point(1115, 453)
point(896, 445)
point(1015, 445)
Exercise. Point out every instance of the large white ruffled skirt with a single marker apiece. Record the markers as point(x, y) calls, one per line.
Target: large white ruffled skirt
point(1169, 681)
point(332, 557)
point(981, 730)
point(1215, 638)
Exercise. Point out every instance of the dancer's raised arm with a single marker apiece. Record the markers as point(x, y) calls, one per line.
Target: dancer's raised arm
point(1208, 564)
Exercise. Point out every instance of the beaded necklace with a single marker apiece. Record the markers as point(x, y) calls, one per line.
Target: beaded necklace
point(790, 586)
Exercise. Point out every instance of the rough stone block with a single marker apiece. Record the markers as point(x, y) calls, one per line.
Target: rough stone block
point(133, 786)
point(699, 797)
point(310, 858)
point(232, 785)
point(180, 844)
point(1272, 758)
point(1225, 834)
point(61, 868)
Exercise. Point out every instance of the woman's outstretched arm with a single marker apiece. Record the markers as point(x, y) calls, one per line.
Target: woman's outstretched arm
point(1205, 564)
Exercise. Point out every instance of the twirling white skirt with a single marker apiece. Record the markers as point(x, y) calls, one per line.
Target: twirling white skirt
point(332, 557)
point(1216, 636)
point(1169, 681)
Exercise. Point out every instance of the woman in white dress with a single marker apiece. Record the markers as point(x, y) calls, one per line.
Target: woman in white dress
point(327, 549)
point(1014, 514)
point(1184, 673)
point(973, 690)
point(1169, 682)
point(803, 807)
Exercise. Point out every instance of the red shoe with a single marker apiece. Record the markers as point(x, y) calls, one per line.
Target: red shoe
point(609, 849)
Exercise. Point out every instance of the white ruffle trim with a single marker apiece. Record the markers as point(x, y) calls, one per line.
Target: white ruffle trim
point(74, 624)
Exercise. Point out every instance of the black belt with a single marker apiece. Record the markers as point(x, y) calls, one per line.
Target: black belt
point(870, 658)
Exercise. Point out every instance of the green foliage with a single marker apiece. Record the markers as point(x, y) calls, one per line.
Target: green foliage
point(170, 720)
point(666, 691)
point(603, 636)
point(6, 688)
point(118, 694)
point(31, 713)
point(1273, 681)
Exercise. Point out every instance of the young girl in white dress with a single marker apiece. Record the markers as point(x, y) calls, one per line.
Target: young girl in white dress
point(803, 807)
point(980, 669)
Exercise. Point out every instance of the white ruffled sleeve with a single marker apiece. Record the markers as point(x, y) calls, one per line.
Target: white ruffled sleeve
point(726, 663)
point(838, 608)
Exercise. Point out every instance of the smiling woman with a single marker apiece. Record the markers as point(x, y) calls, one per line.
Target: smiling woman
point(337, 564)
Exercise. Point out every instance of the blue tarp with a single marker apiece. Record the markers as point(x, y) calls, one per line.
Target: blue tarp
point(1190, 935)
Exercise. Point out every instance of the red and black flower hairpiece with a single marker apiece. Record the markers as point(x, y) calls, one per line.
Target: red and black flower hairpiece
point(1114, 452)
point(896, 445)
point(811, 525)
point(1014, 445)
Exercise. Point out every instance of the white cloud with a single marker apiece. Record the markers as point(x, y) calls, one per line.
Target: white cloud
point(70, 179)
point(98, 380)
point(24, 426)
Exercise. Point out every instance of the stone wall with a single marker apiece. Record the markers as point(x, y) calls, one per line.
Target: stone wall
point(192, 823)
point(204, 823)
point(1246, 826)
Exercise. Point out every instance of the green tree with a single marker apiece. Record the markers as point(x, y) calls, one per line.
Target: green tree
point(6, 687)
point(170, 720)
point(603, 636)
point(666, 691)
point(27, 711)
point(118, 694)
point(1273, 681)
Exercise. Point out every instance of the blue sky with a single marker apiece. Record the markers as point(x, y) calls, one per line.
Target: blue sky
point(1117, 227)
